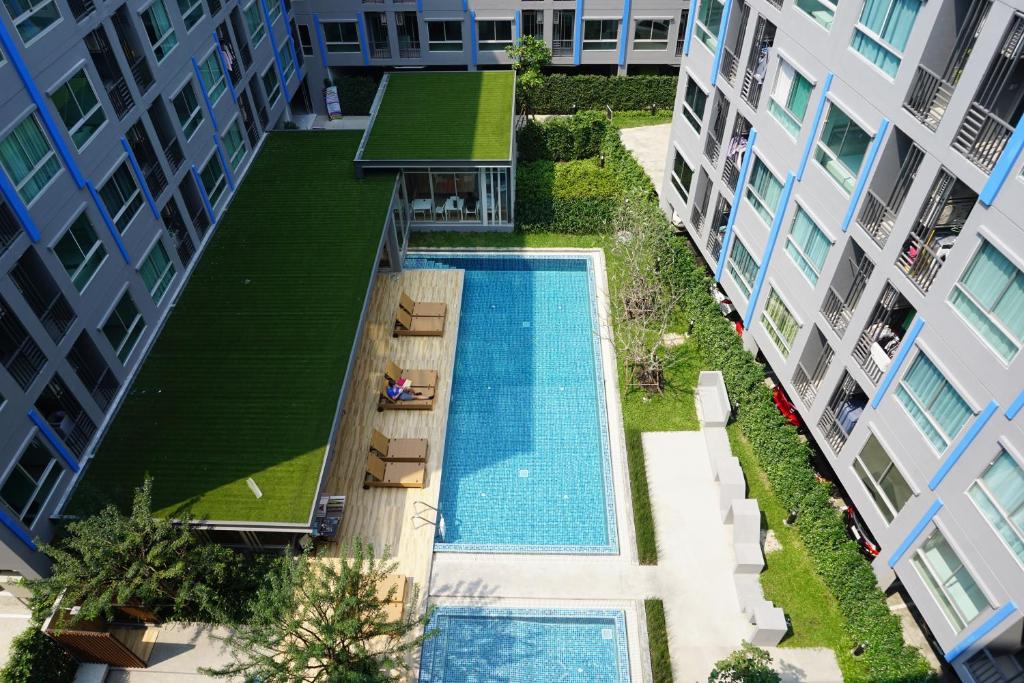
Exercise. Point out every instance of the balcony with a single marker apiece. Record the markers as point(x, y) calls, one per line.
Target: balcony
point(561, 48)
point(928, 97)
point(43, 295)
point(812, 366)
point(141, 74)
point(409, 49)
point(200, 221)
point(18, 351)
point(757, 63)
point(65, 415)
point(380, 50)
point(701, 199)
point(90, 368)
point(884, 332)
point(109, 71)
point(846, 288)
point(734, 152)
point(713, 143)
point(844, 409)
point(175, 227)
point(982, 137)
point(877, 216)
point(9, 228)
point(174, 155)
point(734, 37)
point(80, 9)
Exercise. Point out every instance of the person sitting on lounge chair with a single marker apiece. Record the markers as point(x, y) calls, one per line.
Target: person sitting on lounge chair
point(401, 390)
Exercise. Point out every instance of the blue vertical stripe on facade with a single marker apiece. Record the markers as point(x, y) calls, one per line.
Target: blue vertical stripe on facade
point(577, 43)
point(517, 29)
point(627, 8)
point(134, 163)
point(473, 47)
point(10, 194)
point(716, 61)
point(984, 629)
point(748, 154)
point(865, 171)
point(224, 163)
point(202, 195)
point(773, 236)
point(1015, 407)
point(964, 443)
point(16, 529)
point(206, 95)
point(224, 67)
point(361, 27)
point(903, 547)
point(320, 40)
point(108, 221)
point(691, 16)
point(819, 111)
point(901, 355)
point(53, 440)
point(1004, 165)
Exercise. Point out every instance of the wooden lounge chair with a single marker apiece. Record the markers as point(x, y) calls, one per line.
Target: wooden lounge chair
point(424, 402)
point(395, 450)
point(421, 379)
point(392, 591)
point(395, 475)
point(422, 309)
point(407, 325)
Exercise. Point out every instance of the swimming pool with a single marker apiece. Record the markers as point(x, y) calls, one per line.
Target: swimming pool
point(526, 646)
point(527, 465)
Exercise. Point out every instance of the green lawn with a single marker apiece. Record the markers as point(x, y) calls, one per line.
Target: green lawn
point(657, 641)
point(245, 376)
point(635, 119)
point(444, 115)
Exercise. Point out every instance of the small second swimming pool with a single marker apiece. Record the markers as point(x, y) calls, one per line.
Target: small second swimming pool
point(527, 465)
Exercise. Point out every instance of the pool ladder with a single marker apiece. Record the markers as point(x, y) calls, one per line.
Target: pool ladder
point(420, 509)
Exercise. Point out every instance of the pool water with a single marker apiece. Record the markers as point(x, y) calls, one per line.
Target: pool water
point(525, 646)
point(527, 465)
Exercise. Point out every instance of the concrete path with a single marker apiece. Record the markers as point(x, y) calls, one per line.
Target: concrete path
point(14, 618)
point(179, 651)
point(648, 145)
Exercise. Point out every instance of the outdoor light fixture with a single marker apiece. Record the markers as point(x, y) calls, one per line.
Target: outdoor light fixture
point(790, 518)
point(859, 649)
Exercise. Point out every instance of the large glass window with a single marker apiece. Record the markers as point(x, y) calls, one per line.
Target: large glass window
point(763, 191)
point(789, 98)
point(341, 36)
point(159, 30)
point(271, 85)
point(444, 36)
point(254, 23)
point(80, 252)
point(122, 197)
point(287, 63)
point(493, 35)
point(682, 176)
point(932, 402)
point(694, 101)
point(841, 148)
point(882, 479)
point(600, 34)
point(883, 30)
point(1000, 496)
point(29, 160)
point(779, 323)
point(273, 9)
point(234, 145)
point(124, 327)
point(213, 77)
point(822, 11)
point(807, 245)
point(948, 580)
point(191, 12)
point(30, 482)
point(186, 107)
point(213, 179)
point(708, 22)
point(650, 34)
point(157, 271)
point(990, 297)
point(78, 108)
point(742, 267)
point(31, 17)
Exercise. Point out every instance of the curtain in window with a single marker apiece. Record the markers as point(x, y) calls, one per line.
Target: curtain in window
point(742, 266)
point(767, 188)
point(799, 96)
point(954, 578)
point(808, 245)
point(997, 289)
point(935, 398)
point(890, 20)
point(20, 151)
point(1004, 481)
point(786, 324)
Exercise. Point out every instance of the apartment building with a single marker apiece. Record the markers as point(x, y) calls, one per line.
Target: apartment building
point(852, 176)
point(124, 130)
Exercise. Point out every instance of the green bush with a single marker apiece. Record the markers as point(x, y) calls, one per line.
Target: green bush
point(563, 139)
point(563, 94)
point(35, 658)
point(576, 197)
point(657, 638)
point(355, 94)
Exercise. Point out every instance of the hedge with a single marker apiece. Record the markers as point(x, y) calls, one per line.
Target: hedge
point(783, 456)
point(35, 658)
point(576, 197)
point(564, 94)
point(562, 139)
point(355, 94)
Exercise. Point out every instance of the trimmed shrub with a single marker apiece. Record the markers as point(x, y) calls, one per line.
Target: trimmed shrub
point(576, 197)
point(560, 93)
point(563, 139)
point(355, 94)
point(36, 658)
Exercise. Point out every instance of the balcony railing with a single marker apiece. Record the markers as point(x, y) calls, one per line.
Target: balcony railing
point(120, 96)
point(25, 361)
point(142, 75)
point(882, 336)
point(9, 228)
point(835, 435)
point(982, 137)
point(156, 179)
point(836, 311)
point(174, 155)
point(928, 97)
point(714, 242)
point(250, 129)
point(697, 218)
point(409, 50)
point(730, 63)
point(844, 409)
point(876, 218)
point(561, 48)
point(807, 383)
point(80, 9)
point(200, 221)
point(246, 56)
point(380, 50)
point(730, 173)
point(712, 147)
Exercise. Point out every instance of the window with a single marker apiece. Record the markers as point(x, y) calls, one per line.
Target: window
point(779, 323)
point(124, 327)
point(788, 101)
point(763, 191)
point(213, 77)
point(234, 145)
point(807, 245)
point(31, 17)
point(742, 267)
point(273, 9)
point(80, 252)
point(694, 100)
point(79, 109)
point(305, 40)
point(883, 30)
point(932, 402)
point(158, 28)
point(533, 23)
point(999, 494)
point(600, 34)
point(122, 197)
point(990, 298)
point(881, 478)
point(682, 176)
point(948, 580)
point(841, 148)
point(822, 11)
point(444, 36)
point(186, 106)
point(650, 34)
point(29, 160)
point(254, 23)
point(708, 22)
point(213, 179)
point(191, 12)
point(157, 271)
point(341, 36)
point(287, 64)
point(271, 85)
point(30, 482)
point(494, 35)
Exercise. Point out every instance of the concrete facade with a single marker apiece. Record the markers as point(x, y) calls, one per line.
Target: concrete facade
point(905, 158)
point(67, 348)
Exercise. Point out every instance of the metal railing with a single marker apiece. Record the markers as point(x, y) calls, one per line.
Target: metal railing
point(921, 260)
point(928, 97)
point(9, 228)
point(730, 173)
point(174, 155)
point(835, 436)
point(120, 96)
point(24, 362)
point(836, 311)
point(410, 50)
point(807, 383)
point(712, 147)
point(246, 55)
point(142, 75)
point(156, 179)
point(982, 136)
point(730, 63)
point(714, 242)
point(200, 221)
point(80, 9)
point(380, 50)
point(561, 48)
point(876, 218)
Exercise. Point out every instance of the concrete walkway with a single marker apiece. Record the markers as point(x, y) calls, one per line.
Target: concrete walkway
point(648, 145)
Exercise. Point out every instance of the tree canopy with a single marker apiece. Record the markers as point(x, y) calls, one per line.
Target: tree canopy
point(749, 664)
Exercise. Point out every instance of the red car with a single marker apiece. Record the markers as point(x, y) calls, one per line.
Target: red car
point(858, 530)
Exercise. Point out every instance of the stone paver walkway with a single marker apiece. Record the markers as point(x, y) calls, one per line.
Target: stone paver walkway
point(648, 145)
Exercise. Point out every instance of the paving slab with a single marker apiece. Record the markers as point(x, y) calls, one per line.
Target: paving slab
point(648, 145)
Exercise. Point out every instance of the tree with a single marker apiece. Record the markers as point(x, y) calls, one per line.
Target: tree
point(112, 559)
point(36, 658)
point(324, 620)
point(529, 55)
point(749, 664)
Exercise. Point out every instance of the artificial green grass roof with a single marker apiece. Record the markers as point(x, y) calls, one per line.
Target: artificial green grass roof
point(244, 379)
point(447, 116)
